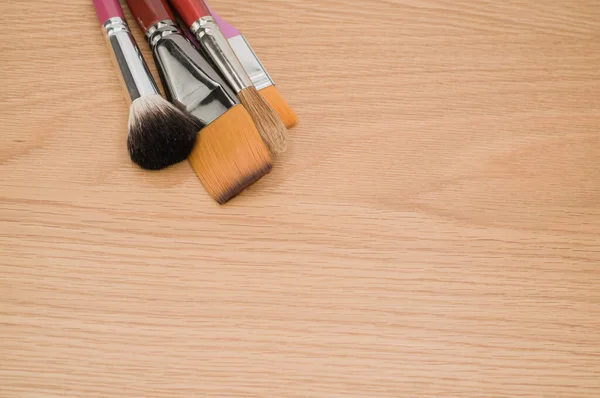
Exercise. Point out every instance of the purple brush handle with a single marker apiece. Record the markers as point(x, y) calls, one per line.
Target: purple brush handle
point(106, 9)
point(228, 30)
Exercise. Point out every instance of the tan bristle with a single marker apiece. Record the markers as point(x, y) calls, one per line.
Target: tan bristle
point(271, 128)
point(285, 112)
point(230, 155)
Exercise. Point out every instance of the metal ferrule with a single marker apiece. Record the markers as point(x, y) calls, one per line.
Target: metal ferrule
point(137, 78)
point(161, 29)
point(190, 81)
point(249, 60)
point(220, 52)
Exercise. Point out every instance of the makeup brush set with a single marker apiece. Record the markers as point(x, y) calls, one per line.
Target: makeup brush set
point(222, 112)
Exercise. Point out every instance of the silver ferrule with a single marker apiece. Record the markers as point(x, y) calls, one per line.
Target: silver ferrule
point(190, 81)
point(136, 76)
point(251, 63)
point(161, 29)
point(220, 52)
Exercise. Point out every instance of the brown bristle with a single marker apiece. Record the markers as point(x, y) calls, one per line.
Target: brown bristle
point(285, 112)
point(230, 155)
point(271, 128)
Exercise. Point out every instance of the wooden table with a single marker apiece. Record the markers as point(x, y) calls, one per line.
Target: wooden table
point(433, 230)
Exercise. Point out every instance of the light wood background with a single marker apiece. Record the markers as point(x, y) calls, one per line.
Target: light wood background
point(433, 231)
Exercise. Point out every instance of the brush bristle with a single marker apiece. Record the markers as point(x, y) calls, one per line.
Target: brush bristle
point(285, 112)
point(271, 128)
point(230, 155)
point(160, 134)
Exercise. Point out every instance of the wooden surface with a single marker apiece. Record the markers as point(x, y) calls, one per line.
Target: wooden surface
point(433, 231)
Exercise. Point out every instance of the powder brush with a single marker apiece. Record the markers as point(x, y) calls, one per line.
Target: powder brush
point(229, 153)
point(159, 134)
point(197, 17)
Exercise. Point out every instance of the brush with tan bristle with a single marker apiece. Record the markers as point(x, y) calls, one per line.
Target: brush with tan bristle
point(256, 70)
point(197, 16)
point(229, 154)
point(159, 133)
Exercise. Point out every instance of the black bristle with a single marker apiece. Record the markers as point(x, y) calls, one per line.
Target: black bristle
point(160, 135)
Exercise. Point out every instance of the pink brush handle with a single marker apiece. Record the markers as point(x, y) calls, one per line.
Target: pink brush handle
point(228, 30)
point(106, 9)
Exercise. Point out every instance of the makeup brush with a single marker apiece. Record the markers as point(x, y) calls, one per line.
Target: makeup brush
point(159, 134)
point(256, 70)
point(197, 17)
point(229, 154)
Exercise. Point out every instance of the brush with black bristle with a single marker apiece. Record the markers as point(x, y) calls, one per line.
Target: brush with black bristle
point(160, 134)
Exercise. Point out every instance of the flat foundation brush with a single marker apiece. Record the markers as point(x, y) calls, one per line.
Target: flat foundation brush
point(197, 17)
point(256, 71)
point(159, 133)
point(229, 153)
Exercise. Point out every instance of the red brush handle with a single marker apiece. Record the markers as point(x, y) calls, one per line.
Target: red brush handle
point(106, 9)
point(191, 10)
point(149, 12)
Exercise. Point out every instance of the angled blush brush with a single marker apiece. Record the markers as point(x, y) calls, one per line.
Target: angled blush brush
point(197, 17)
point(256, 71)
point(159, 133)
point(229, 153)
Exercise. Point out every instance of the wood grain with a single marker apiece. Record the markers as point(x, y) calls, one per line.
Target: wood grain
point(433, 231)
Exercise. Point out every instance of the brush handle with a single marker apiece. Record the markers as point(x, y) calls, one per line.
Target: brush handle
point(135, 75)
point(106, 9)
point(248, 58)
point(227, 29)
point(191, 10)
point(149, 12)
point(197, 17)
